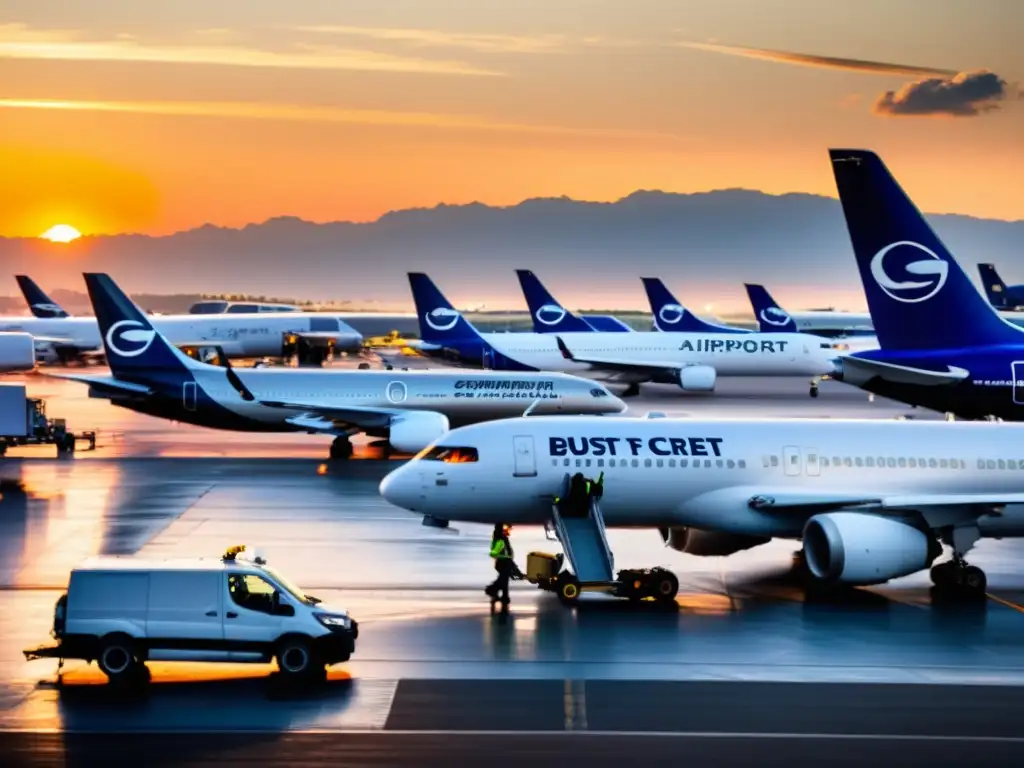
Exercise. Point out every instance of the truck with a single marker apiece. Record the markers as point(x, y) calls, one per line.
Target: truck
point(122, 612)
point(23, 421)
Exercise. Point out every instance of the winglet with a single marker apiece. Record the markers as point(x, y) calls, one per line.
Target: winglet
point(564, 349)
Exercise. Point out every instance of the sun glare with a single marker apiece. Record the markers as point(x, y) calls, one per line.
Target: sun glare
point(61, 233)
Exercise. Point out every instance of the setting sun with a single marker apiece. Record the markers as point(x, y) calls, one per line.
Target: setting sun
point(61, 233)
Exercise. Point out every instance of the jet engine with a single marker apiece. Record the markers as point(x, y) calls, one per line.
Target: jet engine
point(17, 352)
point(697, 378)
point(858, 549)
point(413, 431)
point(693, 541)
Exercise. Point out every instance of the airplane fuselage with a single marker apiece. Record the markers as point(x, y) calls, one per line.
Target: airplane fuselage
point(782, 354)
point(705, 473)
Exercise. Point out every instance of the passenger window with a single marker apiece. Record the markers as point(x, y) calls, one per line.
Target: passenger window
point(683, 463)
point(858, 461)
point(672, 462)
point(588, 462)
point(847, 462)
point(869, 461)
point(567, 462)
point(902, 463)
point(890, 462)
point(554, 462)
point(719, 463)
point(579, 462)
point(932, 463)
point(731, 464)
point(836, 461)
point(775, 461)
point(824, 461)
point(912, 463)
point(647, 462)
point(943, 464)
point(660, 463)
point(600, 462)
point(707, 463)
point(1002, 464)
point(990, 464)
point(636, 462)
point(254, 593)
point(743, 464)
point(1011, 463)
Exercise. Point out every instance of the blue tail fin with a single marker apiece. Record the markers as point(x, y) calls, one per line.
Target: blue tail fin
point(918, 296)
point(440, 322)
point(995, 288)
point(606, 323)
point(548, 315)
point(771, 318)
point(133, 347)
point(670, 315)
point(40, 304)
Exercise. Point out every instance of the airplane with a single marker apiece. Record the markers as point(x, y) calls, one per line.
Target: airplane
point(829, 323)
point(691, 361)
point(670, 315)
point(39, 302)
point(871, 500)
point(17, 352)
point(549, 316)
point(1000, 295)
point(772, 317)
point(942, 345)
point(408, 409)
point(220, 306)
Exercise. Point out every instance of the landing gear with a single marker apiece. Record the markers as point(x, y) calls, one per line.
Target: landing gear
point(814, 387)
point(633, 390)
point(341, 448)
point(958, 578)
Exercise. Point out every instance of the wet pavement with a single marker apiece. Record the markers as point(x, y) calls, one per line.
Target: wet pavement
point(431, 655)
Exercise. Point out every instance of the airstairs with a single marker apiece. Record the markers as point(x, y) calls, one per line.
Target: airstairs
point(580, 528)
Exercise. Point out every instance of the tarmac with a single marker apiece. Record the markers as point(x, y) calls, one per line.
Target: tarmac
point(743, 669)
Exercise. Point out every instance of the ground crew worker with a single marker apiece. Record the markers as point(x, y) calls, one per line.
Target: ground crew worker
point(501, 551)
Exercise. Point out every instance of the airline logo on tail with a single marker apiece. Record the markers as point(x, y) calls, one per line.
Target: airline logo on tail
point(774, 316)
point(670, 314)
point(442, 318)
point(129, 338)
point(908, 257)
point(550, 314)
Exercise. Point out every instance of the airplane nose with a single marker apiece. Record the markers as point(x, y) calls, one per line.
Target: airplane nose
point(397, 489)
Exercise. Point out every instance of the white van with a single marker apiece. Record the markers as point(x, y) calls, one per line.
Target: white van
point(123, 611)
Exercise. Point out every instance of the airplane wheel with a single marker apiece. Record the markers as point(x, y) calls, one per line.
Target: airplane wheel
point(814, 391)
point(568, 589)
point(341, 448)
point(974, 579)
point(664, 585)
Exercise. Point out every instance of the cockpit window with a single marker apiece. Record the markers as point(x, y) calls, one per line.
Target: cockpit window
point(449, 454)
point(598, 393)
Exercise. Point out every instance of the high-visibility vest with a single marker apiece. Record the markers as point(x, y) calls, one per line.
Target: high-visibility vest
point(499, 550)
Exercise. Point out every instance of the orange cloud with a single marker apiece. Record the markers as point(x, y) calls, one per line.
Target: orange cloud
point(967, 94)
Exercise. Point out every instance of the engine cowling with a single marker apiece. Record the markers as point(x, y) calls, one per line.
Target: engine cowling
point(17, 352)
point(693, 541)
point(413, 431)
point(697, 378)
point(859, 549)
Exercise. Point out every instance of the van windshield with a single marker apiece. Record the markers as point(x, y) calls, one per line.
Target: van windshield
point(289, 587)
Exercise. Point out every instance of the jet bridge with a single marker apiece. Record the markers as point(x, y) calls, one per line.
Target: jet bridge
point(579, 526)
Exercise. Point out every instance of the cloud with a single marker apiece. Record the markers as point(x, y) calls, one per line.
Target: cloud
point(478, 42)
point(966, 94)
point(320, 114)
point(826, 62)
point(20, 42)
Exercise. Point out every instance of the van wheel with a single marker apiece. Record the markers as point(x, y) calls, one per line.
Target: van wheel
point(296, 659)
point(117, 658)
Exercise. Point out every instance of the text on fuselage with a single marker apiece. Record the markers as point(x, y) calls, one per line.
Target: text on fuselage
point(633, 446)
point(750, 346)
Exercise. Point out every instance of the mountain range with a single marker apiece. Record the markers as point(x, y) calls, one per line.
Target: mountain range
point(704, 245)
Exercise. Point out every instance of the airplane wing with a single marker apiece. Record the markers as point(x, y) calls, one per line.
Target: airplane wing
point(326, 418)
point(610, 364)
point(861, 370)
point(937, 509)
point(106, 385)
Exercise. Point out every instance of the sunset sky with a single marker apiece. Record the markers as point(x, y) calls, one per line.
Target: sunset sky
point(124, 116)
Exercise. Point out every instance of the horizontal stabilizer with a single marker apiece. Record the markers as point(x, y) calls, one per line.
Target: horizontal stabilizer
point(104, 383)
point(859, 371)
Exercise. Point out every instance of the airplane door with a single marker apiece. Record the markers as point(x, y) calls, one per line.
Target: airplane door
point(812, 464)
point(525, 460)
point(1017, 371)
point(791, 460)
point(188, 395)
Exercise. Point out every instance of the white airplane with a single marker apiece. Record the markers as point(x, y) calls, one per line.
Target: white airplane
point(692, 361)
point(409, 409)
point(17, 352)
point(871, 500)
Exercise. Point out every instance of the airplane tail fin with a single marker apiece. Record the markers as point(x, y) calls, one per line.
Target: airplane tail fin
point(670, 315)
point(771, 318)
point(40, 304)
point(994, 286)
point(918, 295)
point(439, 320)
point(131, 343)
point(549, 316)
